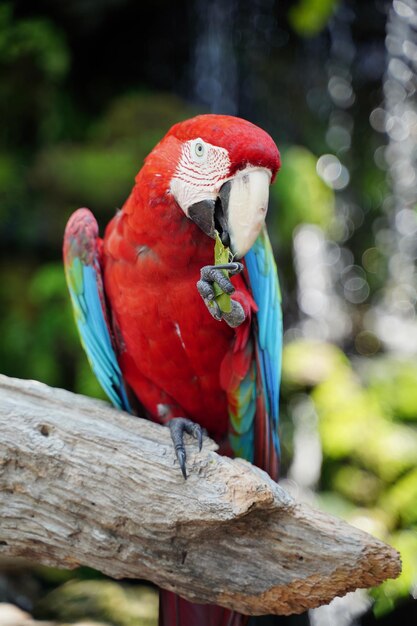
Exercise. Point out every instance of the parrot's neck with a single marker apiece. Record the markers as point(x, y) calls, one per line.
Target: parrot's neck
point(152, 218)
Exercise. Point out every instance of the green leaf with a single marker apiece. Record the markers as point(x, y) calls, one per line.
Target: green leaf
point(221, 256)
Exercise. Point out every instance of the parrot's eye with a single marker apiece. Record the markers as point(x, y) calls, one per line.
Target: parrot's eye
point(199, 150)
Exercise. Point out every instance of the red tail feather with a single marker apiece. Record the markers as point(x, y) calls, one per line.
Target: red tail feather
point(175, 611)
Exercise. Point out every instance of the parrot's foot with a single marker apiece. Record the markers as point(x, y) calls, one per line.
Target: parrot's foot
point(211, 274)
point(178, 426)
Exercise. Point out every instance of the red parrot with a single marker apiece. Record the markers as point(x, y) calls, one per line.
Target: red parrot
point(147, 311)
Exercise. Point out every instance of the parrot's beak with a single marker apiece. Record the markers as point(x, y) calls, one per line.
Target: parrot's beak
point(245, 197)
point(238, 213)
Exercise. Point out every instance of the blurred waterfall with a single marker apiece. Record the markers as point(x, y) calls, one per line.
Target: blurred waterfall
point(232, 40)
point(215, 81)
point(394, 320)
point(327, 278)
point(324, 314)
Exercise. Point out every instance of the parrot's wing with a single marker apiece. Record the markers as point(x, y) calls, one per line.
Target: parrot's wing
point(254, 405)
point(82, 252)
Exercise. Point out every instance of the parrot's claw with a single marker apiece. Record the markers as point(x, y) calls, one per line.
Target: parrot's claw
point(178, 426)
point(236, 316)
point(210, 274)
point(214, 274)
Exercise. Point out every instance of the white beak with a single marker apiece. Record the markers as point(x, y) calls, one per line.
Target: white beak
point(247, 207)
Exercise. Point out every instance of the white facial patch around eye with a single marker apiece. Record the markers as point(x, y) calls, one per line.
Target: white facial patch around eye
point(200, 173)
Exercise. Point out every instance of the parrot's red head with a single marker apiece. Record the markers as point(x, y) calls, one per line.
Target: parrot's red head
point(220, 168)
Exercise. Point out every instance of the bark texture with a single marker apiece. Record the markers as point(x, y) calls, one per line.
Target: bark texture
point(83, 484)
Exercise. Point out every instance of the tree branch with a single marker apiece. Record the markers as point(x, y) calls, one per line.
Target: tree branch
point(83, 484)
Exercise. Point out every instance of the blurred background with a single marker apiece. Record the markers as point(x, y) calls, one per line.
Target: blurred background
point(87, 88)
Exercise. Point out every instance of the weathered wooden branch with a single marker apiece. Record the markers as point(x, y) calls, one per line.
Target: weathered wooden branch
point(83, 484)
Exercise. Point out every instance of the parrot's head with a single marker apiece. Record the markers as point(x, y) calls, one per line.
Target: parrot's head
point(223, 168)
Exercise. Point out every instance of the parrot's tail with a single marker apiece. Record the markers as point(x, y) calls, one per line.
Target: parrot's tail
point(175, 611)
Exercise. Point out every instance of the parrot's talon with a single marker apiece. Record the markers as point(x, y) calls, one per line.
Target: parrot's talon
point(199, 438)
point(181, 456)
point(205, 289)
point(214, 309)
point(236, 316)
point(214, 274)
point(178, 426)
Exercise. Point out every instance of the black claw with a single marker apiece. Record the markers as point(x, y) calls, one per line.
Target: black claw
point(233, 268)
point(199, 437)
point(182, 457)
point(178, 426)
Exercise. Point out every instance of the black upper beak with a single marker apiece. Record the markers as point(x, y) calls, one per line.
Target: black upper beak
point(211, 215)
point(202, 214)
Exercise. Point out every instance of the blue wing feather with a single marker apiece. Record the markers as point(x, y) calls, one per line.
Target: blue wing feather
point(85, 284)
point(243, 445)
point(263, 279)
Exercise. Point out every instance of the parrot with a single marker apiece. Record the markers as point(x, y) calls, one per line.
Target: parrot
point(145, 301)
